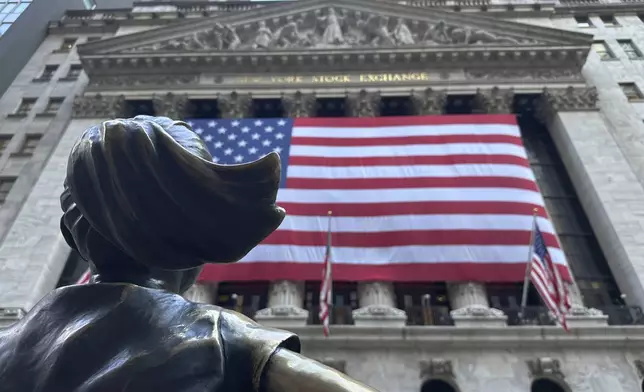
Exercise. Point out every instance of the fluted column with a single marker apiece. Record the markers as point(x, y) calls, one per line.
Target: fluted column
point(205, 293)
point(377, 299)
point(235, 105)
point(171, 105)
point(286, 297)
point(562, 111)
point(468, 300)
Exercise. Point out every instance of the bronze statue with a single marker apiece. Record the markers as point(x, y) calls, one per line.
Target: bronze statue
point(146, 207)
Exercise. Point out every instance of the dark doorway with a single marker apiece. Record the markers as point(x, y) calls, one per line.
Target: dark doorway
point(545, 385)
point(331, 107)
point(203, 108)
point(139, 107)
point(437, 386)
point(396, 106)
point(267, 108)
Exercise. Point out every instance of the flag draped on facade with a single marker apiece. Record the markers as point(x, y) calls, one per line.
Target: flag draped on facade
point(547, 280)
point(418, 198)
point(326, 288)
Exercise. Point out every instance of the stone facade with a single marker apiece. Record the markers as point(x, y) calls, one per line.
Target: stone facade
point(514, 52)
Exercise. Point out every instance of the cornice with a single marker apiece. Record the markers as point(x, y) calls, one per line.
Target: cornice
point(385, 59)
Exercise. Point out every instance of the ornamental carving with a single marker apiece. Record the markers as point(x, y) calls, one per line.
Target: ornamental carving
point(429, 102)
point(142, 80)
point(299, 105)
point(171, 105)
point(494, 101)
point(567, 99)
point(436, 368)
point(363, 104)
point(545, 367)
point(99, 106)
point(235, 105)
point(523, 74)
point(331, 28)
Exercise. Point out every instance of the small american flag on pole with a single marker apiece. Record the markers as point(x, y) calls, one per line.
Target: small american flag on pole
point(327, 284)
point(547, 280)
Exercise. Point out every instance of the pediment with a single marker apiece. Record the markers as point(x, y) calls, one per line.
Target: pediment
point(329, 26)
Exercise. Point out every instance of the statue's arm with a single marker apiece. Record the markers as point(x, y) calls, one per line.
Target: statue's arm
point(287, 371)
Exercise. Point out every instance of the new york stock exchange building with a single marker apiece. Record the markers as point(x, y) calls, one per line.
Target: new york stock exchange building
point(566, 74)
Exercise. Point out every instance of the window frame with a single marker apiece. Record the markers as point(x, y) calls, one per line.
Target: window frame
point(607, 54)
point(583, 21)
point(638, 93)
point(633, 49)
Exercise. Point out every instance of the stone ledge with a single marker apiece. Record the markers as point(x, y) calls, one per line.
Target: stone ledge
point(631, 337)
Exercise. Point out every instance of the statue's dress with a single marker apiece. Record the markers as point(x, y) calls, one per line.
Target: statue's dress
point(127, 338)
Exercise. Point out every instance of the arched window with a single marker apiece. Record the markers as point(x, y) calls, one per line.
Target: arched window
point(545, 385)
point(435, 385)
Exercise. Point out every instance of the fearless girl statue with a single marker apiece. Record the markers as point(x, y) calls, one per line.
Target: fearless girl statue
point(146, 207)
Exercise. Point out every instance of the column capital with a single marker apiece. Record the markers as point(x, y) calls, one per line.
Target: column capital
point(494, 101)
point(285, 300)
point(378, 306)
point(174, 106)
point(363, 104)
point(429, 101)
point(235, 105)
point(299, 104)
point(99, 106)
point(569, 99)
point(471, 307)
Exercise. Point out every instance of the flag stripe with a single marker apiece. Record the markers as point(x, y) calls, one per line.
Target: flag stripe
point(411, 182)
point(394, 255)
point(408, 150)
point(454, 159)
point(453, 172)
point(330, 196)
point(406, 121)
point(400, 272)
point(405, 208)
point(414, 222)
point(405, 140)
point(386, 239)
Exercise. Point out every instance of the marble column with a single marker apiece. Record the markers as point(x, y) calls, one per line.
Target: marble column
point(205, 293)
point(565, 111)
point(468, 300)
point(174, 106)
point(377, 299)
point(286, 297)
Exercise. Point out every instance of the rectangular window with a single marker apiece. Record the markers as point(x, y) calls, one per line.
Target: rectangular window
point(631, 91)
point(25, 106)
point(48, 73)
point(67, 45)
point(5, 187)
point(4, 27)
point(583, 21)
point(629, 48)
point(602, 50)
point(53, 105)
point(74, 72)
point(609, 20)
point(4, 142)
point(29, 145)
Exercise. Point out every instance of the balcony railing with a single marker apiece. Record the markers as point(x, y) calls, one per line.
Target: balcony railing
point(339, 315)
point(428, 315)
point(539, 315)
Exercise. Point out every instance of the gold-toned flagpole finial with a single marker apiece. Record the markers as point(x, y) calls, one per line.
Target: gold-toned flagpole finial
point(330, 212)
point(535, 211)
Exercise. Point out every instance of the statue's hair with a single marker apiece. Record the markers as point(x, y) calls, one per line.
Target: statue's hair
point(144, 192)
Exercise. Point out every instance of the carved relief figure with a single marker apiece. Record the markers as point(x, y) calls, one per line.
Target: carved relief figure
point(332, 34)
point(264, 37)
point(231, 39)
point(147, 225)
point(402, 33)
point(377, 31)
point(437, 34)
point(290, 36)
point(468, 35)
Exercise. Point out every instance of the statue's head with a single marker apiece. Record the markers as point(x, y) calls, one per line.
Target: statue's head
point(144, 202)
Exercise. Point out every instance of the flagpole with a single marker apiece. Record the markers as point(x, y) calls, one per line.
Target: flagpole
point(528, 268)
point(328, 241)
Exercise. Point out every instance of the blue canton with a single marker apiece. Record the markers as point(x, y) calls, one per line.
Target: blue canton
point(236, 141)
point(540, 245)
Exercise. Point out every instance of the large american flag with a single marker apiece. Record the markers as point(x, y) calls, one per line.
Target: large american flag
point(424, 198)
point(547, 280)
